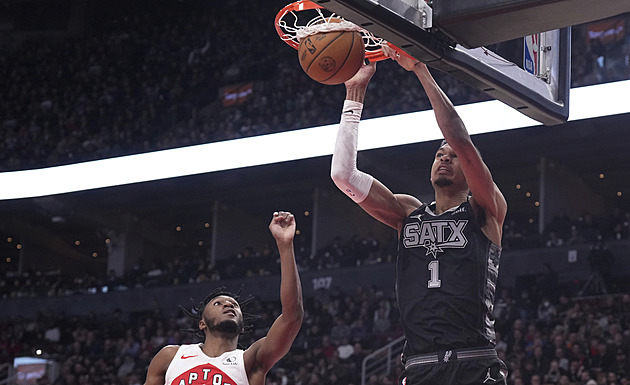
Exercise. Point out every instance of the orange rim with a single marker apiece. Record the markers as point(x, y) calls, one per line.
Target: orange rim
point(303, 5)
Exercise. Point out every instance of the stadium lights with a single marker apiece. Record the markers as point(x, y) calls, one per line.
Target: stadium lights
point(586, 102)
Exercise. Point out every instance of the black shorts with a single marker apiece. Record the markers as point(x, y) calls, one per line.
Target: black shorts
point(455, 367)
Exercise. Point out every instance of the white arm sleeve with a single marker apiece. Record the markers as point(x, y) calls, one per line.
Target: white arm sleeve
point(343, 171)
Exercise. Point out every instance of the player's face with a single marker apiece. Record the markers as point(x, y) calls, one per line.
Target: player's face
point(446, 169)
point(222, 314)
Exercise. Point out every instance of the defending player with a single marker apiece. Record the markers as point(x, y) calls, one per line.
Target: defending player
point(449, 250)
point(217, 360)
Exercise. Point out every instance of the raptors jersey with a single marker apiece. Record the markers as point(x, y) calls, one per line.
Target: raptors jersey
point(191, 366)
point(446, 276)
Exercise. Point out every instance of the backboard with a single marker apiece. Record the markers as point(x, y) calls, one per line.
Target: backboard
point(474, 23)
point(448, 35)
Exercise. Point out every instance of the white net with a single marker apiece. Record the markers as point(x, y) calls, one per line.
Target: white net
point(296, 29)
point(342, 25)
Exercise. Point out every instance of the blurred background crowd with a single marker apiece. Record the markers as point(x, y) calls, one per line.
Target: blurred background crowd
point(548, 339)
point(137, 80)
point(358, 251)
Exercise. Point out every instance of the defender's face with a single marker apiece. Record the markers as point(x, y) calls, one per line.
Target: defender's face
point(222, 310)
point(446, 169)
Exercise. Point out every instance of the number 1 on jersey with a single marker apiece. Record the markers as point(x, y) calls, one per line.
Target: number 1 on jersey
point(434, 268)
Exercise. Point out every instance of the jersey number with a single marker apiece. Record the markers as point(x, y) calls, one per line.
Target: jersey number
point(434, 268)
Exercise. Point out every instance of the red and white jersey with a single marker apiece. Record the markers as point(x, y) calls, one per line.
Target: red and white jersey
point(191, 366)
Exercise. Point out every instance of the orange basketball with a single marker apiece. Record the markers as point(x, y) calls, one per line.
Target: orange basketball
point(331, 57)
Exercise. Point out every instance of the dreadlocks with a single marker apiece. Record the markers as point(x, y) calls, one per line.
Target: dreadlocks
point(196, 312)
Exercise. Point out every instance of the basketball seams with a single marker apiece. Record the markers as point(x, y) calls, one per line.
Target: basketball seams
point(350, 51)
point(339, 34)
point(332, 58)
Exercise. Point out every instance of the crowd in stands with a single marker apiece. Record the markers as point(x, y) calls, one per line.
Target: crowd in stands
point(360, 250)
point(134, 81)
point(565, 231)
point(545, 339)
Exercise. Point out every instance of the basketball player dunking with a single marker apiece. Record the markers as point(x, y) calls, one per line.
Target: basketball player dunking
point(448, 258)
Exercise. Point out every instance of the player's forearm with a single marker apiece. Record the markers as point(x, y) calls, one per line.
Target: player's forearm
point(290, 285)
point(343, 168)
point(356, 93)
point(446, 116)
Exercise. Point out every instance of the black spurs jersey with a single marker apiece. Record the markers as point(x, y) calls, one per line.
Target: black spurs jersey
point(446, 277)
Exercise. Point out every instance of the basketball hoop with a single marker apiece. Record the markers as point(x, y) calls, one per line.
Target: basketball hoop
point(305, 18)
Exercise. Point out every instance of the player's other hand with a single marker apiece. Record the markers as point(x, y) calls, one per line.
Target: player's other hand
point(282, 226)
point(405, 61)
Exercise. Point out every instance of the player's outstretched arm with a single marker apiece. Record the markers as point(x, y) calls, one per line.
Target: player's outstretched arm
point(374, 197)
point(264, 353)
point(485, 192)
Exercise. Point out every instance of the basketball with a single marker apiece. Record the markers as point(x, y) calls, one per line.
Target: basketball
point(331, 57)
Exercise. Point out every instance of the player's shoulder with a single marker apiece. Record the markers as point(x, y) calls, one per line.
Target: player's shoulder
point(162, 360)
point(168, 352)
point(409, 203)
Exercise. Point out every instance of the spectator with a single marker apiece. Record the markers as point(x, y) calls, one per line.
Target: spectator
point(620, 365)
point(553, 374)
point(345, 349)
point(546, 312)
point(601, 262)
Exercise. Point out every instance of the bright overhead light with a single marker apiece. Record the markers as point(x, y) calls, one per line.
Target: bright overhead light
point(586, 102)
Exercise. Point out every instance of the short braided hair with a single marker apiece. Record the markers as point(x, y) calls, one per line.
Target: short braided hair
point(196, 311)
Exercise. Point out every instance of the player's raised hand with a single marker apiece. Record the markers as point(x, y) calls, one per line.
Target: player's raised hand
point(282, 226)
point(405, 61)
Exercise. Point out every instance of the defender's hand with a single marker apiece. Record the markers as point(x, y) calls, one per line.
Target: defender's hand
point(282, 226)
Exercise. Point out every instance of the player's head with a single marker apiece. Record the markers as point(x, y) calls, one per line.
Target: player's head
point(445, 170)
point(222, 312)
point(446, 156)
